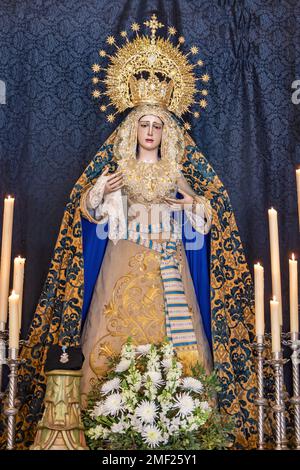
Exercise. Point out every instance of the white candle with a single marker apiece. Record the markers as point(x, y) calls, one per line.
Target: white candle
point(293, 271)
point(6, 258)
point(13, 321)
point(19, 264)
point(259, 301)
point(275, 325)
point(298, 192)
point(275, 259)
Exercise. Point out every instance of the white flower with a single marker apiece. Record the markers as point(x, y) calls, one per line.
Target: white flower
point(110, 386)
point(98, 410)
point(113, 404)
point(167, 363)
point(190, 383)
point(123, 365)
point(204, 405)
point(143, 349)
point(118, 427)
point(176, 422)
point(105, 433)
point(146, 411)
point(128, 352)
point(185, 403)
point(155, 377)
point(168, 350)
point(152, 436)
point(96, 432)
point(193, 427)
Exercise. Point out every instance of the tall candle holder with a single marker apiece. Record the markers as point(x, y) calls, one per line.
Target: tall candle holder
point(11, 409)
point(285, 341)
point(279, 408)
point(3, 359)
point(260, 401)
point(295, 400)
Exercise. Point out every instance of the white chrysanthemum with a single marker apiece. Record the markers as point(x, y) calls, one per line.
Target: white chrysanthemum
point(185, 403)
point(123, 365)
point(152, 436)
point(146, 411)
point(204, 405)
point(98, 410)
point(110, 386)
point(113, 404)
point(176, 421)
point(155, 377)
point(190, 383)
point(143, 349)
point(167, 363)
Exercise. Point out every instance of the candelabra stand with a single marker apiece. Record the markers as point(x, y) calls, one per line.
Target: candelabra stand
point(12, 410)
point(3, 360)
point(12, 362)
point(279, 408)
point(260, 401)
point(295, 400)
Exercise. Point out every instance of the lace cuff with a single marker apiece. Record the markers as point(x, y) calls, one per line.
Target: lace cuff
point(95, 196)
point(199, 214)
point(91, 200)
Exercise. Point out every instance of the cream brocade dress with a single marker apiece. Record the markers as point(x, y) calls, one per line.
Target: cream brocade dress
point(128, 298)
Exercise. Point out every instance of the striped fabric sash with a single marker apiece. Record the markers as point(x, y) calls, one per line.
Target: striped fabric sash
point(179, 324)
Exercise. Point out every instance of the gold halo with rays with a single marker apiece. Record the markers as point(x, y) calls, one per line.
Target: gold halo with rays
point(149, 69)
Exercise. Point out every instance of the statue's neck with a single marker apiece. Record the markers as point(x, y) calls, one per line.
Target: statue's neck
point(146, 155)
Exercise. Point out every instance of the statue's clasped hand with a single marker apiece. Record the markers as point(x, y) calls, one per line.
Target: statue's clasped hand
point(178, 204)
point(113, 182)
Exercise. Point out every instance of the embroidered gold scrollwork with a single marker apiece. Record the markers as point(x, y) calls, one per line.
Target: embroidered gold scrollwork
point(136, 309)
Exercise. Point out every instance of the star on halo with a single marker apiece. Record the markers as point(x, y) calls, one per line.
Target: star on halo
point(194, 50)
point(110, 118)
point(172, 30)
point(110, 40)
point(96, 68)
point(135, 27)
point(96, 94)
point(205, 77)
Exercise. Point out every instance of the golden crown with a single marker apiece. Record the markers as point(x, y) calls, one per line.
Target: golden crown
point(150, 69)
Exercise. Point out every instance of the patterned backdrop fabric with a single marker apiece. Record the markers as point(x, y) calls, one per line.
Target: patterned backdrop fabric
point(50, 127)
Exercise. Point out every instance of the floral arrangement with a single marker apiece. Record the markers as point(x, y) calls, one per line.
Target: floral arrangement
point(144, 402)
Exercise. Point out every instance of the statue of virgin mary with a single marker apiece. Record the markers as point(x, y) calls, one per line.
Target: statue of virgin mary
point(148, 246)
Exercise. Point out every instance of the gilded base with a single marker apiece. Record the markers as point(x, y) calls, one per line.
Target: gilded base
point(61, 427)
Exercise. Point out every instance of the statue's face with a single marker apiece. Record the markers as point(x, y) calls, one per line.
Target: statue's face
point(150, 129)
